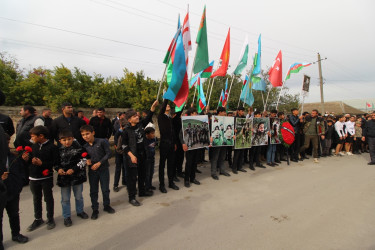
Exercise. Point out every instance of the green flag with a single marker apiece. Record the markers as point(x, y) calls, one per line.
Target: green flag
point(201, 56)
point(243, 58)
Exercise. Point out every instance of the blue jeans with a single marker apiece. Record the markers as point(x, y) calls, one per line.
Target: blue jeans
point(271, 151)
point(65, 199)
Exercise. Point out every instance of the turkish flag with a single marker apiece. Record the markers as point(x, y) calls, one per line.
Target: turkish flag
point(222, 70)
point(276, 71)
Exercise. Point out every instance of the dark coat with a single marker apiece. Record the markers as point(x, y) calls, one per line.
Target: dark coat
point(15, 180)
point(103, 128)
point(71, 158)
point(48, 154)
point(61, 123)
point(22, 131)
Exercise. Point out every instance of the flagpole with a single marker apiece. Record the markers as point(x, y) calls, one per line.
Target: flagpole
point(208, 88)
point(230, 88)
point(209, 97)
point(268, 94)
point(262, 97)
point(245, 95)
point(166, 66)
point(278, 99)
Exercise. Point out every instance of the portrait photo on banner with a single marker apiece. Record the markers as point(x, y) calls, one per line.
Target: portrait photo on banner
point(196, 132)
point(261, 127)
point(275, 131)
point(244, 133)
point(222, 131)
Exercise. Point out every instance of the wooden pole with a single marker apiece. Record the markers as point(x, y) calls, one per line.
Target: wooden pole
point(268, 94)
point(278, 99)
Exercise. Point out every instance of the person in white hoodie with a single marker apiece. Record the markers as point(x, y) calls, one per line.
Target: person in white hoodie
point(350, 131)
point(339, 128)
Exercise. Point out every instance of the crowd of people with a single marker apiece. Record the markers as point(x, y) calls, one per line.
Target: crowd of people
point(77, 149)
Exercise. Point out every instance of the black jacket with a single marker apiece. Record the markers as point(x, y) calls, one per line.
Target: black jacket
point(103, 128)
point(369, 129)
point(7, 124)
point(133, 137)
point(3, 159)
point(72, 158)
point(15, 180)
point(22, 131)
point(61, 123)
point(48, 154)
point(165, 126)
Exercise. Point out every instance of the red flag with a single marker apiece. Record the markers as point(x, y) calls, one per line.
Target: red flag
point(368, 104)
point(222, 70)
point(276, 71)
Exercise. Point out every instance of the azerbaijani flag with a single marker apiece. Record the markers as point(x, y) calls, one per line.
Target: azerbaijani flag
point(245, 82)
point(225, 98)
point(295, 68)
point(220, 104)
point(201, 99)
point(178, 89)
point(206, 73)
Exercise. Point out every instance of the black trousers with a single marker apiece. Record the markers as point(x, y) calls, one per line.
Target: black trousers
point(12, 207)
point(134, 173)
point(371, 146)
point(296, 146)
point(39, 189)
point(2, 206)
point(238, 159)
point(191, 164)
point(120, 170)
point(167, 154)
point(179, 159)
point(254, 153)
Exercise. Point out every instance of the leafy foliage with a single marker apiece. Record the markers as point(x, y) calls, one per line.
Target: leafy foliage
point(45, 87)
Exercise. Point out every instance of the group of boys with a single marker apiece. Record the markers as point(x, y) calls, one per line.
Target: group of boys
point(81, 146)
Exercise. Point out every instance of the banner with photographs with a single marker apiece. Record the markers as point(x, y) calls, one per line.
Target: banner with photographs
point(306, 83)
point(222, 131)
point(275, 131)
point(261, 128)
point(244, 133)
point(195, 131)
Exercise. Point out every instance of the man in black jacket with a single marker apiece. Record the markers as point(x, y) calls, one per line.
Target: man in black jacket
point(67, 121)
point(28, 121)
point(167, 148)
point(133, 138)
point(12, 177)
point(369, 135)
point(102, 125)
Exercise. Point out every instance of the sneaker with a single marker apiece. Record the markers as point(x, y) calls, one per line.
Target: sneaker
point(342, 153)
point(51, 224)
point(83, 215)
point(68, 222)
point(116, 189)
point(349, 153)
point(20, 238)
point(35, 225)
point(109, 209)
point(316, 160)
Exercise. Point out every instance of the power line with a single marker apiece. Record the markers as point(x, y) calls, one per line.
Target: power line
point(82, 34)
point(236, 27)
point(212, 34)
point(74, 51)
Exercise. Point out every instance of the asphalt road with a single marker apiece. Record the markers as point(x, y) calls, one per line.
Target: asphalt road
point(330, 205)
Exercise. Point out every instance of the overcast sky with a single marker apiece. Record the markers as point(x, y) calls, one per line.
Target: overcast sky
point(106, 36)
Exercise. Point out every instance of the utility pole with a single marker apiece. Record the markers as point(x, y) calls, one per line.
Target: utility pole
point(321, 84)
